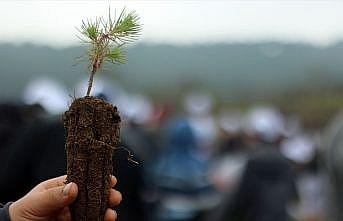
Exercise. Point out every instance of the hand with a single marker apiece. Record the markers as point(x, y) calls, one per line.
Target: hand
point(49, 201)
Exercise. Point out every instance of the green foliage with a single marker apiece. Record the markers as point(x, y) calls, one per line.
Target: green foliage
point(108, 36)
point(90, 29)
point(116, 55)
point(127, 28)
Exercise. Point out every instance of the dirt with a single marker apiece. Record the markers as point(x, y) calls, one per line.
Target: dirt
point(93, 128)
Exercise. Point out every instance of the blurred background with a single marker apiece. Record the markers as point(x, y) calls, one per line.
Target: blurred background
point(231, 108)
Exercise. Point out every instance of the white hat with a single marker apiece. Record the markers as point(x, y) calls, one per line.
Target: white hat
point(300, 149)
point(49, 93)
point(266, 122)
point(230, 121)
point(198, 103)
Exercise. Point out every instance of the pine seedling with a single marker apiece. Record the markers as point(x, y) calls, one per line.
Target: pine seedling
point(92, 124)
point(106, 39)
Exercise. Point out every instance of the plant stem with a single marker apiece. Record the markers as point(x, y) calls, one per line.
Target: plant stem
point(90, 81)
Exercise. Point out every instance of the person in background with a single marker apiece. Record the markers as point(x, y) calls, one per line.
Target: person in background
point(179, 176)
point(268, 182)
point(333, 168)
point(301, 151)
point(13, 117)
point(229, 158)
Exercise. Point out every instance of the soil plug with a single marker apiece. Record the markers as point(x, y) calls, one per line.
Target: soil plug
point(93, 125)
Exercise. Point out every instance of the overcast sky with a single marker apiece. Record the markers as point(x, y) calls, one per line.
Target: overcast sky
point(179, 22)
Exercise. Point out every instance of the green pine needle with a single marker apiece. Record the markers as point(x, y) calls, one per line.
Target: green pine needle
point(106, 38)
point(116, 55)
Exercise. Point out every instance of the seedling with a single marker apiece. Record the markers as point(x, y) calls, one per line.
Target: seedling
point(93, 125)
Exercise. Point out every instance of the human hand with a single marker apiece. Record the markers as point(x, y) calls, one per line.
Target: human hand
point(49, 201)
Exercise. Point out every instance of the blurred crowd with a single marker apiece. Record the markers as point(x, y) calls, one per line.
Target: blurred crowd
point(195, 162)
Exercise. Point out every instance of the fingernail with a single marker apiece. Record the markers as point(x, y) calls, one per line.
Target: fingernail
point(66, 189)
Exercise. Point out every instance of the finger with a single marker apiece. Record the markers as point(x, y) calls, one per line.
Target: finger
point(113, 181)
point(64, 215)
point(54, 199)
point(58, 181)
point(115, 198)
point(110, 215)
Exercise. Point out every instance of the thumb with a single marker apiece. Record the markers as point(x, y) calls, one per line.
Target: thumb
point(58, 197)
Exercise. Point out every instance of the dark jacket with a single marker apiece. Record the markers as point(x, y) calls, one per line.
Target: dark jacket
point(4, 213)
point(267, 185)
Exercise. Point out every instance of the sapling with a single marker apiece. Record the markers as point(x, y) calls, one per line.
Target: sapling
point(93, 125)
